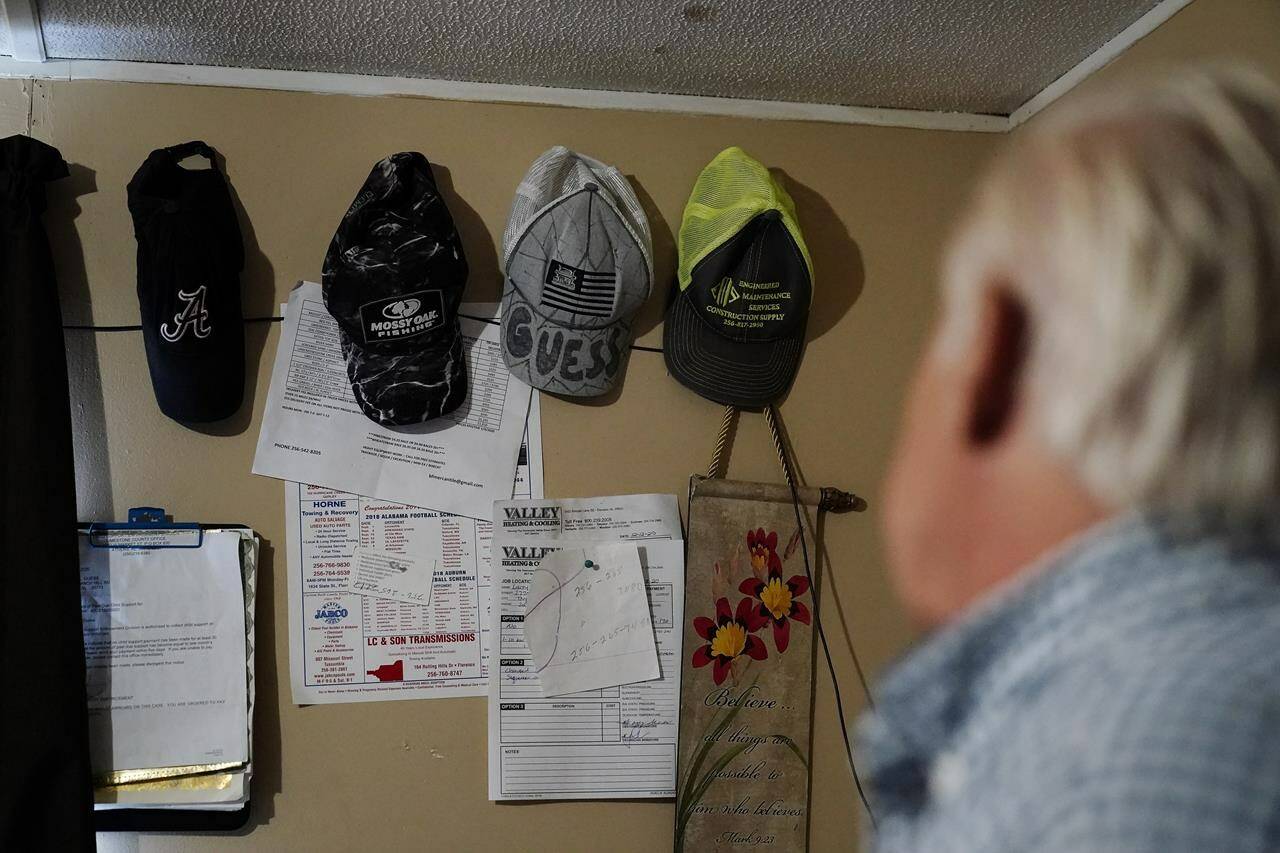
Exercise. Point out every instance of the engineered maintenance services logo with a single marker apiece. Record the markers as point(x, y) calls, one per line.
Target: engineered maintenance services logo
point(724, 293)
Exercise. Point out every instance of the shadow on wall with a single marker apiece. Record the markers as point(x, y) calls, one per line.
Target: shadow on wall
point(484, 281)
point(837, 261)
point(824, 574)
point(664, 262)
point(257, 298)
point(84, 373)
point(838, 275)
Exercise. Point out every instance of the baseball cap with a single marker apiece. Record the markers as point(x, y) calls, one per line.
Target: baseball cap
point(189, 259)
point(393, 279)
point(734, 332)
point(578, 258)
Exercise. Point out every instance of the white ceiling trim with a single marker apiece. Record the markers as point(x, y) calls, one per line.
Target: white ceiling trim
point(25, 37)
point(453, 90)
point(1104, 55)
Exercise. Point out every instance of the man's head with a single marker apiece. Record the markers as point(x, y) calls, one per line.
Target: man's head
point(1110, 336)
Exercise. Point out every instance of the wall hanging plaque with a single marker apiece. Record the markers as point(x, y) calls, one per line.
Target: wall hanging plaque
point(747, 679)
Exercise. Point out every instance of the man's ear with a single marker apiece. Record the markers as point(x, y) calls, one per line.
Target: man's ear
point(999, 357)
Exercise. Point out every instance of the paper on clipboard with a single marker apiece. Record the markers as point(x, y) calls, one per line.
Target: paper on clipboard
point(164, 634)
point(203, 791)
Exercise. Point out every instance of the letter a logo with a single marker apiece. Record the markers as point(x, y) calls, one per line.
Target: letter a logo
point(193, 316)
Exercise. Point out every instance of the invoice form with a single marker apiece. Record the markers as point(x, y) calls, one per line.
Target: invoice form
point(616, 742)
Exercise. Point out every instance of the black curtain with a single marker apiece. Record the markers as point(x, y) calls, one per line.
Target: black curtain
point(45, 789)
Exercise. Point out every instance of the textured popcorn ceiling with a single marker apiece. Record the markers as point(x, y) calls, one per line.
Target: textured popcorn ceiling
point(983, 56)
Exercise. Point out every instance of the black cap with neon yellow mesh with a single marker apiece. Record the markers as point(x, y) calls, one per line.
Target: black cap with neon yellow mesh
point(734, 332)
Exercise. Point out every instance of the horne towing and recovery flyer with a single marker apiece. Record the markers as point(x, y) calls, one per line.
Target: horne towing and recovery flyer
point(388, 601)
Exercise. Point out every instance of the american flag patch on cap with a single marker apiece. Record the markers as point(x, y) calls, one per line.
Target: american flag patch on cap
point(579, 291)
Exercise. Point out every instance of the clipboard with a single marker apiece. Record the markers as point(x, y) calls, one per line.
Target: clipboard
point(152, 529)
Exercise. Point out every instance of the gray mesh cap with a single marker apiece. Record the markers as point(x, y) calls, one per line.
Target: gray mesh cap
point(578, 258)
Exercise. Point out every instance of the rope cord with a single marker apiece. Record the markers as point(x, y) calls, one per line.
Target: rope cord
point(717, 469)
point(722, 442)
point(770, 418)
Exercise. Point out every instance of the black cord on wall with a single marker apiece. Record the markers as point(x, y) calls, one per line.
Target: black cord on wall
point(489, 320)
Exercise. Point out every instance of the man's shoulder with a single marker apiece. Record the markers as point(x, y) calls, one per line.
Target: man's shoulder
point(1173, 760)
point(1215, 652)
point(1196, 678)
point(1160, 735)
point(1205, 690)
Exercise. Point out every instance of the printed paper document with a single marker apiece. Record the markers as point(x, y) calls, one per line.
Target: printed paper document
point(360, 630)
point(314, 432)
point(164, 636)
point(608, 743)
point(210, 791)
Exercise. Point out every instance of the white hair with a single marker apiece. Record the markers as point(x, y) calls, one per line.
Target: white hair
point(1140, 227)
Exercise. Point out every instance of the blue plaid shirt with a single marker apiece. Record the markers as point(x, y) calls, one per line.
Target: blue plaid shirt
point(1125, 696)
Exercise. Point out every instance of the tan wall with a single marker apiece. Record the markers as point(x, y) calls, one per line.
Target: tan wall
point(1208, 30)
point(874, 204)
point(1231, 31)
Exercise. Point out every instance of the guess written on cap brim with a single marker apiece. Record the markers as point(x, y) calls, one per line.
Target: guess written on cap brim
point(579, 362)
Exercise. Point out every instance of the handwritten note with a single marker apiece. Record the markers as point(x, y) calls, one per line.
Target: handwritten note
point(394, 576)
point(401, 554)
point(588, 623)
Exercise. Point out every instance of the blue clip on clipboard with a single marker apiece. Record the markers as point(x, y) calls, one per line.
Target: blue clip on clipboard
point(149, 527)
point(147, 519)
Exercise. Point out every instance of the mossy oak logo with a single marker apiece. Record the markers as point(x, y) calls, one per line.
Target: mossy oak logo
point(361, 200)
point(402, 308)
point(194, 316)
point(398, 317)
point(724, 293)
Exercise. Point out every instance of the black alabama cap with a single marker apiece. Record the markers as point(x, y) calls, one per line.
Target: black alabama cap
point(734, 331)
point(189, 261)
point(393, 279)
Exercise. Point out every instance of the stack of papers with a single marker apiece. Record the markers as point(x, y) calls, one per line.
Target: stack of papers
point(168, 635)
point(388, 529)
point(313, 431)
point(420, 633)
point(413, 573)
point(598, 742)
